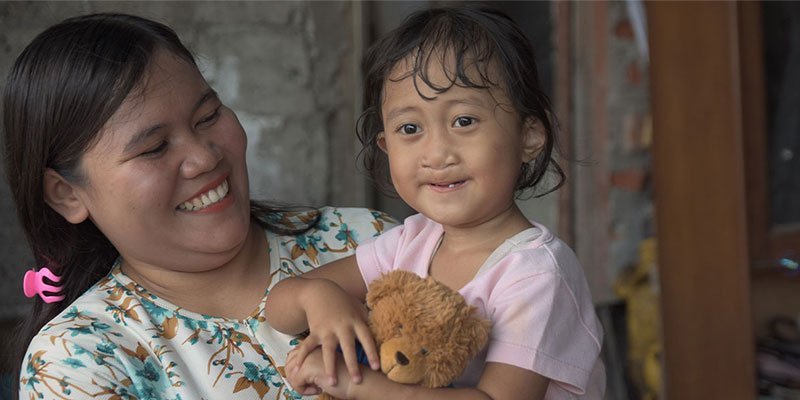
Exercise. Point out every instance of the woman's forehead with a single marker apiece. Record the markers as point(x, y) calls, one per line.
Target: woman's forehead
point(167, 81)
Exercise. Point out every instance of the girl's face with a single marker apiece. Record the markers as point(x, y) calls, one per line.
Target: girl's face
point(166, 181)
point(456, 158)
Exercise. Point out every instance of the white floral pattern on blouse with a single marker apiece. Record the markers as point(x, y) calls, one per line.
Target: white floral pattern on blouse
point(118, 341)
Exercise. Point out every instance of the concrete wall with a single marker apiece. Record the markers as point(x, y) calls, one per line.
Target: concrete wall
point(290, 71)
point(286, 68)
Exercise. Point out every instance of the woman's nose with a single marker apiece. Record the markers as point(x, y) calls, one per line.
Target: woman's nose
point(201, 156)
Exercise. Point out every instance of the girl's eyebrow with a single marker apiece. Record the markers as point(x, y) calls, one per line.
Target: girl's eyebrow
point(469, 100)
point(399, 111)
point(143, 134)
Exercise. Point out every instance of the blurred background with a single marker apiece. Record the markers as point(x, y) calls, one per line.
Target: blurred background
point(679, 131)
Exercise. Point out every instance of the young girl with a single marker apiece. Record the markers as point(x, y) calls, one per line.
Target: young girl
point(129, 177)
point(453, 101)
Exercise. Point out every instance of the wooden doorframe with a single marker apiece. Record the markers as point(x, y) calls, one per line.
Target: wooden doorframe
point(700, 199)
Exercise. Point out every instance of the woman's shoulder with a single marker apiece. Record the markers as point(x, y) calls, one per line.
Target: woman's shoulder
point(94, 314)
point(338, 223)
point(364, 219)
point(84, 336)
point(335, 232)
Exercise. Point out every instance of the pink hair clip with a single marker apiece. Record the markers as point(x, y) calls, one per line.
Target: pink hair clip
point(34, 283)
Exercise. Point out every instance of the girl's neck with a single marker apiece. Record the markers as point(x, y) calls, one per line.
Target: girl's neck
point(486, 234)
point(463, 250)
point(239, 283)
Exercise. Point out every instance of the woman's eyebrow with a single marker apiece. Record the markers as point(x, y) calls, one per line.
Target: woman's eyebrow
point(209, 94)
point(142, 135)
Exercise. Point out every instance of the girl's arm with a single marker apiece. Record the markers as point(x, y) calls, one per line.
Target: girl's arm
point(498, 381)
point(288, 299)
point(328, 302)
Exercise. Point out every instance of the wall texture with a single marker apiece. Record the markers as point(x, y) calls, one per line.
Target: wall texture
point(290, 72)
point(286, 68)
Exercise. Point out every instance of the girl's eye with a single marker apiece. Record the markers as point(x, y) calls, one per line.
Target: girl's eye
point(461, 122)
point(409, 129)
point(210, 118)
point(157, 150)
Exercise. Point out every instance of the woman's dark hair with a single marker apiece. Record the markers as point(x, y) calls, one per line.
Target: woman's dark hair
point(61, 91)
point(477, 37)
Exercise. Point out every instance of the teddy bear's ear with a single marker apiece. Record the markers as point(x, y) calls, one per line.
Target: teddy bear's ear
point(476, 329)
point(390, 283)
point(468, 337)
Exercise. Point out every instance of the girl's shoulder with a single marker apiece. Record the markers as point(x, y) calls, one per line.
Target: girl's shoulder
point(535, 251)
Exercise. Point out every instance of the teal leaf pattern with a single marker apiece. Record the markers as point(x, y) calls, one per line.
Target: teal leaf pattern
point(120, 342)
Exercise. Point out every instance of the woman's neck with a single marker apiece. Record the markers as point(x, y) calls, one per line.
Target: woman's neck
point(232, 289)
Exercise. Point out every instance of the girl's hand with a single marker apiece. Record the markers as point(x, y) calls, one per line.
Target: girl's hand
point(334, 319)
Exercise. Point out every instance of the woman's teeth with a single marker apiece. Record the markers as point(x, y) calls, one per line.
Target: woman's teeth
point(206, 199)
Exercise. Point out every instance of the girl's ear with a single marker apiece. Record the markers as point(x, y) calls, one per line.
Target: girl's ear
point(533, 138)
point(381, 141)
point(62, 197)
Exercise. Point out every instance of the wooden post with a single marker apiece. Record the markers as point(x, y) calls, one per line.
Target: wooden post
point(700, 200)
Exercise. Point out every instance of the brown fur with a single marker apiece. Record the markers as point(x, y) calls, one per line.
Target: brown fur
point(428, 323)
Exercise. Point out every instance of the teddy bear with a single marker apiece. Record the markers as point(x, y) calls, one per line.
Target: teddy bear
point(425, 332)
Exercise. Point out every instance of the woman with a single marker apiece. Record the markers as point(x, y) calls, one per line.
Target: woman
point(129, 178)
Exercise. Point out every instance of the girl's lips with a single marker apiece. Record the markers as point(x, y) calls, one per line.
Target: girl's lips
point(446, 187)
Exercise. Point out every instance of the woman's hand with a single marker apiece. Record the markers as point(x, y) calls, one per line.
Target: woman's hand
point(310, 378)
point(334, 319)
point(499, 381)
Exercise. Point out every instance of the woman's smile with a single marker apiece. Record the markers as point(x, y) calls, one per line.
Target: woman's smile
point(216, 195)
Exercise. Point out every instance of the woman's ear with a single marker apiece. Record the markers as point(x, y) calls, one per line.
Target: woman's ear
point(62, 197)
point(381, 141)
point(533, 138)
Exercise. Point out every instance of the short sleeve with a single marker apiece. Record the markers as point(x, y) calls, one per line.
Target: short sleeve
point(408, 247)
point(538, 325)
point(377, 256)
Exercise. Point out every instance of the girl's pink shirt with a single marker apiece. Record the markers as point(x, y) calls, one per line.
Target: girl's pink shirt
point(531, 288)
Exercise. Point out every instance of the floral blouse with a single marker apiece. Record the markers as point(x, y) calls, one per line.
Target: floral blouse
point(118, 341)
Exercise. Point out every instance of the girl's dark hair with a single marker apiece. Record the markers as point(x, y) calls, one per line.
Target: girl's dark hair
point(61, 91)
point(477, 37)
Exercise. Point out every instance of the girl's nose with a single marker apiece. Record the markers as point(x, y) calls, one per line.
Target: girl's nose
point(439, 151)
point(201, 156)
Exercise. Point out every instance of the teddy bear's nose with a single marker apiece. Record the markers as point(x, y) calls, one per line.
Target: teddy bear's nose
point(401, 358)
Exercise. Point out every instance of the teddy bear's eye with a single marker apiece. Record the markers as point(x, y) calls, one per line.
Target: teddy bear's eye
point(424, 351)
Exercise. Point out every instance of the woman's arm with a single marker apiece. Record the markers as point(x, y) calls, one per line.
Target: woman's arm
point(328, 302)
point(498, 381)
